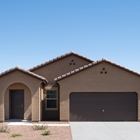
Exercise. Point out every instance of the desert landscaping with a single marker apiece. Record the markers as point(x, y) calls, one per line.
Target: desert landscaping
point(22, 132)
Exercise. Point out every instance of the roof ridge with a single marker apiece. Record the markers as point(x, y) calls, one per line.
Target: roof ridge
point(57, 58)
point(25, 71)
point(90, 65)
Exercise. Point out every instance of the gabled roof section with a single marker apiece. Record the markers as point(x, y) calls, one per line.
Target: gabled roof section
point(17, 68)
point(91, 65)
point(58, 58)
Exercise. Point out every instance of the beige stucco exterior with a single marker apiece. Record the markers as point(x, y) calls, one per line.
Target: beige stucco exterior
point(32, 91)
point(94, 77)
point(91, 80)
point(53, 70)
point(60, 67)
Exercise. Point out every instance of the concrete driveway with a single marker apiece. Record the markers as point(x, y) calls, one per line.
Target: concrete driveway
point(105, 130)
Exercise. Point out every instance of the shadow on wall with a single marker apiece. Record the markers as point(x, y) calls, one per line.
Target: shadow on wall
point(28, 112)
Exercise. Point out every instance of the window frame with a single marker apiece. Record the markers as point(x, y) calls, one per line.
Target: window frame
point(46, 99)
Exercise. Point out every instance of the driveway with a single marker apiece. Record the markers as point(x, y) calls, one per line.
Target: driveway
point(105, 130)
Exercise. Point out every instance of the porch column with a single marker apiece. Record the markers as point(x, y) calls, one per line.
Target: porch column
point(36, 106)
point(2, 107)
point(139, 106)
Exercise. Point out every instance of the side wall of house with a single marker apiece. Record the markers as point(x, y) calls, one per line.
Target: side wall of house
point(95, 79)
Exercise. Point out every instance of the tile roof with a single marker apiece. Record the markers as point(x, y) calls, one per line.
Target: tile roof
point(58, 58)
point(91, 65)
point(24, 71)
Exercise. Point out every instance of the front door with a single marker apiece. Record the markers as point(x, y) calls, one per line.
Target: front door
point(17, 104)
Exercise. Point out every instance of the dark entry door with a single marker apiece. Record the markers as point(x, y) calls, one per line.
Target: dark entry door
point(99, 106)
point(17, 104)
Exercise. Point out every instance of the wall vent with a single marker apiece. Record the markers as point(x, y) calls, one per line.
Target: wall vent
point(103, 71)
point(72, 62)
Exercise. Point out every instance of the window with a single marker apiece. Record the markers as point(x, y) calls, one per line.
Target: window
point(51, 99)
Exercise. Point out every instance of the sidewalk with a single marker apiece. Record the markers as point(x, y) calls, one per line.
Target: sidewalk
point(30, 123)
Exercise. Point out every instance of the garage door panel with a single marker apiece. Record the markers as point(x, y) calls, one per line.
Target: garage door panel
point(103, 106)
point(85, 117)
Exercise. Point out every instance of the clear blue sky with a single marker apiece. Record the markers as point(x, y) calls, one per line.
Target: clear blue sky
point(35, 31)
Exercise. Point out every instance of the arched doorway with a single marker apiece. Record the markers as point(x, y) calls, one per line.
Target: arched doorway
point(17, 102)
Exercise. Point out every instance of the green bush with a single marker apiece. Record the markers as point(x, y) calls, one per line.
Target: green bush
point(40, 127)
point(15, 135)
point(46, 133)
point(4, 129)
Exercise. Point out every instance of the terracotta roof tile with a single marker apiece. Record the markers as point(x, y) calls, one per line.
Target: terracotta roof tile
point(57, 58)
point(91, 65)
point(24, 71)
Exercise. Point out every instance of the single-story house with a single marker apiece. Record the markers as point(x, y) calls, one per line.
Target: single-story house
point(70, 87)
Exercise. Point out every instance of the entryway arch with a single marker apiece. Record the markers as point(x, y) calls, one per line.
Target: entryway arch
point(27, 102)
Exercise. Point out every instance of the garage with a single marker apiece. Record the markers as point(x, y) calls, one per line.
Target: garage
point(103, 106)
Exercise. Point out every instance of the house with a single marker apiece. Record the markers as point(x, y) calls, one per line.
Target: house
point(70, 88)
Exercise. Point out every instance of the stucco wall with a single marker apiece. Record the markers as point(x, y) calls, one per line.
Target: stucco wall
point(91, 80)
point(32, 83)
point(60, 67)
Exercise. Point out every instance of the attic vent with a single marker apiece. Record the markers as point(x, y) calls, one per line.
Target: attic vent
point(72, 62)
point(103, 71)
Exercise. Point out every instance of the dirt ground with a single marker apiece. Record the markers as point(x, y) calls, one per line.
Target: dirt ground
point(28, 133)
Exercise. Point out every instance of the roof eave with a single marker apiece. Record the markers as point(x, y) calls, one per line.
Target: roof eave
point(26, 72)
point(58, 58)
point(91, 65)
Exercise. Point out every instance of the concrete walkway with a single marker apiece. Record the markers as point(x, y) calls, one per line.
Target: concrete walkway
point(105, 130)
point(30, 123)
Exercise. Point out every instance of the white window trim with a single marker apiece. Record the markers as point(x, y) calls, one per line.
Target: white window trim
point(53, 89)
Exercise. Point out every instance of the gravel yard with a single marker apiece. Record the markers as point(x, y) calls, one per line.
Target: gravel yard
point(28, 133)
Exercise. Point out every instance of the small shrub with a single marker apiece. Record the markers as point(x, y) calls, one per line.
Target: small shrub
point(4, 129)
point(46, 133)
point(15, 135)
point(40, 127)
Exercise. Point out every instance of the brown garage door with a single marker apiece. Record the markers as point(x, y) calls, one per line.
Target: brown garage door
point(103, 106)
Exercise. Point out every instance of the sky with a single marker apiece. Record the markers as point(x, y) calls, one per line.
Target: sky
point(35, 31)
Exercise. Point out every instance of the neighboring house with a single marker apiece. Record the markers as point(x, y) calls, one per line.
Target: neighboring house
point(70, 88)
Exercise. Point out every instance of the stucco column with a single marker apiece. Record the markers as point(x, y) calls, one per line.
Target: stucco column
point(64, 105)
point(138, 107)
point(36, 106)
point(1, 107)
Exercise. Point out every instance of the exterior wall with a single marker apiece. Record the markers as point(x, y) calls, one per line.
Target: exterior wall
point(32, 83)
point(60, 67)
point(27, 100)
point(91, 80)
point(52, 71)
point(36, 106)
point(41, 98)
